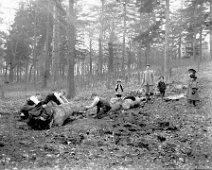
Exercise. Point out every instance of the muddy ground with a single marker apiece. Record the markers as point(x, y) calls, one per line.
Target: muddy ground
point(160, 135)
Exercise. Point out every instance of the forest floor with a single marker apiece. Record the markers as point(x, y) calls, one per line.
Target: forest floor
point(161, 135)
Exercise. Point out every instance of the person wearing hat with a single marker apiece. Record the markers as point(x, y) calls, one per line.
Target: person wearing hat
point(102, 105)
point(148, 81)
point(119, 89)
point(192, 71)
point(192, 94)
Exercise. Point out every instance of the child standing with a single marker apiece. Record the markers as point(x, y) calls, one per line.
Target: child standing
point(162, 86)
point(119, 88)
point(193, 95)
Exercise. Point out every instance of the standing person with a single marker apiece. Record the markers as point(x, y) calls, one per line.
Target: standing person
point(148, 81)
point(119, 89)
point(103, 106)
point(162, 86)
point(193, 95)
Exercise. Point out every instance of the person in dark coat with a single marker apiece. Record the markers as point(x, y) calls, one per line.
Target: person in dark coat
point(36, 115)
point(41, 117)
point(162, 86)
point(102, 105)
point(30, 104)
point(119, 89)
point(192, 94)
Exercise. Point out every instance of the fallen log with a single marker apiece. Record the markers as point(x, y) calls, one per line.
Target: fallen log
point(175, 97)
point(128, 103)
point(65, 111)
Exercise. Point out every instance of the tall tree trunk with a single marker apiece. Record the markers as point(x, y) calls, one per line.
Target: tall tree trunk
point(55, 50)
point(194, 46)
point(30, 73)
point(166, 59)
point(20, 72)
point(100, 57)
point(140, 50)
point(200, 48)
point(180, 46)
point(72, 41)
point(139, 64)
point(194, 31)
point(16, 73)
point(90, 57)
point(26, 71)
point(13, 61)
point(101, 38)
point(124, 38)
point(90, 63)
point(129, 61)
point(110, 63)
point(180, 35)
point(111, 56)
point(47, 59)
point(211, 29)
point(140, 44)
point(34, 44)
point(63, 70)
point(11, 74)
point(5, 74)
point(147, 53)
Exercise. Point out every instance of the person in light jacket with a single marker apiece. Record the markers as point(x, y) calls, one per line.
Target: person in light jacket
point(148, 81)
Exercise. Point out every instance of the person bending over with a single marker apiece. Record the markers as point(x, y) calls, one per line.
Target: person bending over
point(102, 105)
point(30, 104)
point(58, 97)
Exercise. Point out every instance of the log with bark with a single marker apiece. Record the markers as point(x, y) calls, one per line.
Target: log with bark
point(66, 111)
point(175, 97)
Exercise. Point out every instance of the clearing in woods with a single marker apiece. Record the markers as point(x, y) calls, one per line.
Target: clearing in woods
point(162, 135)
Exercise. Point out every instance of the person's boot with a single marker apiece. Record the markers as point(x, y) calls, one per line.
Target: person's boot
point(99, 115)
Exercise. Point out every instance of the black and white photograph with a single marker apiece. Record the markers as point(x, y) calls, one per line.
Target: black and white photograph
point(105, 84)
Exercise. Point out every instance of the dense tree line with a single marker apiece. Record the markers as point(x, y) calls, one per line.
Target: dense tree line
point(51, 41)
